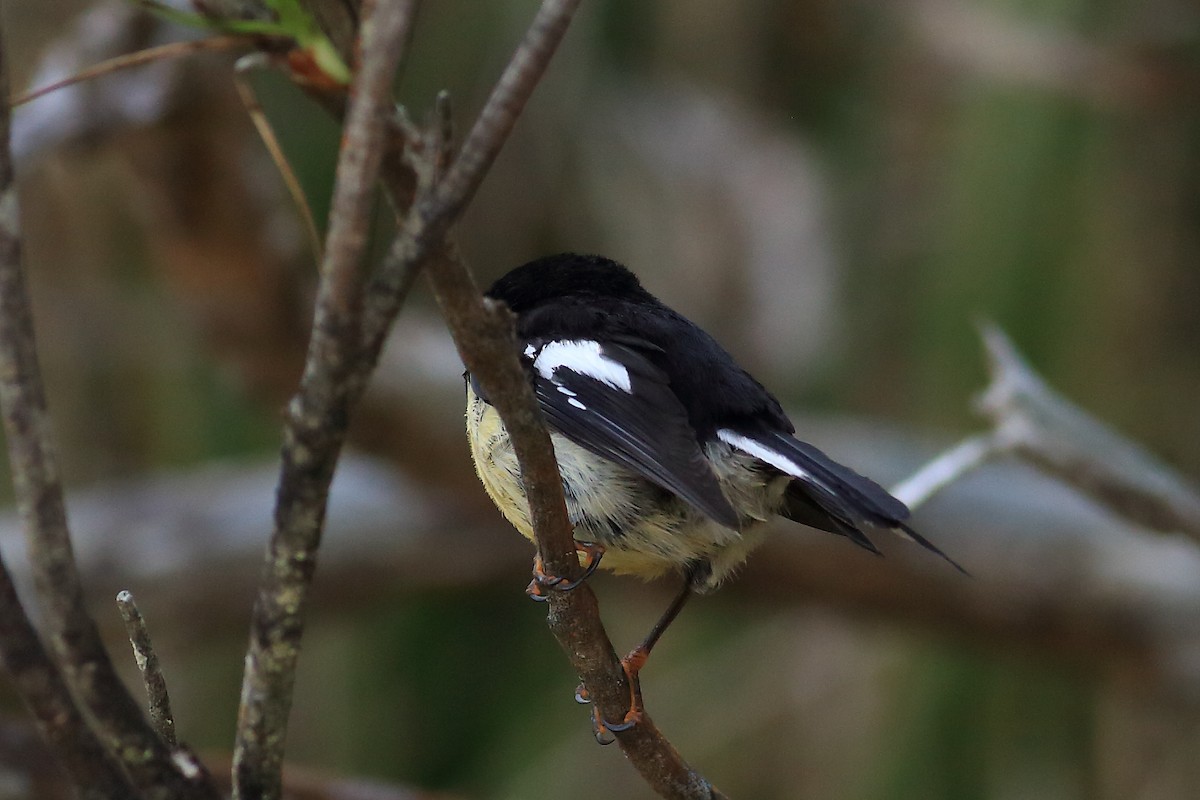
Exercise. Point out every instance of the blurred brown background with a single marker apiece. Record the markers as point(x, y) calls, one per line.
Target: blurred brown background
point(839, 191)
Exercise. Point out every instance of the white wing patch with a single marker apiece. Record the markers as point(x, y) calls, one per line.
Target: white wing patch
point(763, 453)
point(583, 357)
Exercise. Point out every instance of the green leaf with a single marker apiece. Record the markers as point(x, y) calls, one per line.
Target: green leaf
point(292, 22)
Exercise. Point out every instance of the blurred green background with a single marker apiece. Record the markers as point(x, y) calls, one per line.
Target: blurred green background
point(840, 190)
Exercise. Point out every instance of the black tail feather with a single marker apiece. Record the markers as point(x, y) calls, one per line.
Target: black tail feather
point(818, 509)
point(800, 506)
point(931, 547)
point(830, 496)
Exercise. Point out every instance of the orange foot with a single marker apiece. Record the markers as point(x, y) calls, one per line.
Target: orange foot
point(602, 728)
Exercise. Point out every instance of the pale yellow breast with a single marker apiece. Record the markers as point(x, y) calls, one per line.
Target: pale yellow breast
point(655, 537)
point(496, 464)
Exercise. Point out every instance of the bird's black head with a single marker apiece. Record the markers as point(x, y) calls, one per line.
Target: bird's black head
point(562, 276)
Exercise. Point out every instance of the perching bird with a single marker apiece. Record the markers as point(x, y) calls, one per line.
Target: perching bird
point(672, 456)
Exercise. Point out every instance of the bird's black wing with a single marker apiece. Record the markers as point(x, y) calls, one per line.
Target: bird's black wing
point(610, 399)
point(824, 493)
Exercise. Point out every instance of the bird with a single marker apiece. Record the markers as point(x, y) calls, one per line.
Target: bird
point(672, 456)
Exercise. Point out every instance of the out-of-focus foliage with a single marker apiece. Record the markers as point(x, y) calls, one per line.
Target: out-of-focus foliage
point(838, 190)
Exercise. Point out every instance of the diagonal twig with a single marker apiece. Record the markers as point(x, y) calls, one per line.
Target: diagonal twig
point(964, 457)
point(145, 56)
point(74, 638)
point(317, 417)
point(158, 700)
point(266, 134)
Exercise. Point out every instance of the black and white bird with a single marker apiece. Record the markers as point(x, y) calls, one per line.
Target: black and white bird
point(672, 456)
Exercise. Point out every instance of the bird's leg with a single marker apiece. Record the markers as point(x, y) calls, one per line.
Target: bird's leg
point(633, 662)
point(543, 580)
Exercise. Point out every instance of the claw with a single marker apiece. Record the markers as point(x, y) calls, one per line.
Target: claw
point(603, 737)
point(536, 591)
point(632, 664)
point(629, 723)
point(542, 580)
point(594, 552)
point(600, 730)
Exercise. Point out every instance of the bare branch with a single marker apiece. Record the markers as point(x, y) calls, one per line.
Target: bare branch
point(1033, 422)
point(74, 639)
point(1042, 427)
point(442, 129)
point(317, 417)
point(157, 699)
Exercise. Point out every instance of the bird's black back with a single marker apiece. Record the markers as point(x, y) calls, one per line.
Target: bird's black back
point(571, 296)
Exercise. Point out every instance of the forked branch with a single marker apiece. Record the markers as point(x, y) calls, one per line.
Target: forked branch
point(1037, 425)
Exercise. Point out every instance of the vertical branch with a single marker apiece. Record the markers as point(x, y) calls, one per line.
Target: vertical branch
point(74, 638)
point(317, 416)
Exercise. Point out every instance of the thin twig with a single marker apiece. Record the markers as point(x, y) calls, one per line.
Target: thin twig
point(443, 201)
point(1036, 424)
point(74, 638)
point(442, 128)
point(274, 149)
point(317, 418)
point(966, 456)
point(158, 701)
point(141, 57)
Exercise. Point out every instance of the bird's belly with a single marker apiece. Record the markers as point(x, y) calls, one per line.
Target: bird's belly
point(645, 530)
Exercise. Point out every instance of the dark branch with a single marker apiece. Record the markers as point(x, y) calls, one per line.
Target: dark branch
point(317, 416)
point(44, 691)
point(74, 638)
